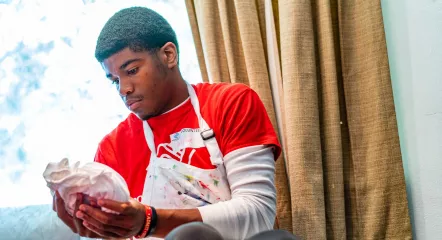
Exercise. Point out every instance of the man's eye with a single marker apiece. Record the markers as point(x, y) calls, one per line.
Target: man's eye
point(132, 71)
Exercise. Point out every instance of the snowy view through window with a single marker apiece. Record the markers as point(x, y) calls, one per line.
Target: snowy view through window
point(55, 101)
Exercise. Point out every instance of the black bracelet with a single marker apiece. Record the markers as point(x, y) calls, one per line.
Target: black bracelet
point(153, 223)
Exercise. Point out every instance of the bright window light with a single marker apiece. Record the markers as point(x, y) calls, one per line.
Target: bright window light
point(55, 101)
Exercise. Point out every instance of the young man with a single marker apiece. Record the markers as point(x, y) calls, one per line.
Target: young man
point(189, 153)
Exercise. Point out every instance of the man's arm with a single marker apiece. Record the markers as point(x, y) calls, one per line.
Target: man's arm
point(168, 219)
point(131, 218)
point(252, 209)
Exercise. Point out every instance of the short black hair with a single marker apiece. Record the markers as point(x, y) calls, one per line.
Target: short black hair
point(139, 28)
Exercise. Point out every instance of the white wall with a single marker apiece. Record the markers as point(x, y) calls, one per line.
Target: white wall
point(414, 41)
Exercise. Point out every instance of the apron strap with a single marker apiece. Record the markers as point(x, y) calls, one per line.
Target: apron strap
point(148, 134)
point(207, 134)
point(211, 144)
point(209, 139)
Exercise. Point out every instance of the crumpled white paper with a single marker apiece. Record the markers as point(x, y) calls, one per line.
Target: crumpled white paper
point(93, 179)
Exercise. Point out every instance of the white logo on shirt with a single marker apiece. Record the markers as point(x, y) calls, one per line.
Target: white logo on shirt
point(179, 142)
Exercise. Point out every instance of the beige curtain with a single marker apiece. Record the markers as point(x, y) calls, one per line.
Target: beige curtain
point(321, 69)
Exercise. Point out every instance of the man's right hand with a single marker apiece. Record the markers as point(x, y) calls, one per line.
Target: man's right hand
point(74, 223)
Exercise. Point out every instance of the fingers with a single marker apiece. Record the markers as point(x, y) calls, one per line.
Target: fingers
point(120, 207)
point(101, 217)
point(101, 228)
point(75, 224)
point(62, 213)
point(77, 221)
point(126, 224)
point(99, 231)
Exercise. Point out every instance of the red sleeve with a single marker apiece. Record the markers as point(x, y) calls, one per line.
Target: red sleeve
point(244, 121)
point(106, 155)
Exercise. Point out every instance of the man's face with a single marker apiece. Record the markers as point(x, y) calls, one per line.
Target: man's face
point(142, 79)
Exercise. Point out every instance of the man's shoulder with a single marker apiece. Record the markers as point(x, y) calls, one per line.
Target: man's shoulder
point(126, 129)
point(220, 92)
point(220, 87)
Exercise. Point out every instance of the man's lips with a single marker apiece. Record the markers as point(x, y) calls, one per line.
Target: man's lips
point(132, 104)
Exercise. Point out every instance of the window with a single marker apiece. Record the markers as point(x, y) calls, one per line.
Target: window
point(55, 101)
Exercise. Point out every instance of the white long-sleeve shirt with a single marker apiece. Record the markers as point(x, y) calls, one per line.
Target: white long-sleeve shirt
point(252, 209)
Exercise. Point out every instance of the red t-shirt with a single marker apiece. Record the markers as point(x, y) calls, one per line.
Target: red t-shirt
point(233, 111)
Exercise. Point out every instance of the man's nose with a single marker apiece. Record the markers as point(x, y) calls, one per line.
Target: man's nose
point(125, 88)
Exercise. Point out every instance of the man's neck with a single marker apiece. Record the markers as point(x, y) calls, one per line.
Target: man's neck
point(179, 105)
point(179, 94)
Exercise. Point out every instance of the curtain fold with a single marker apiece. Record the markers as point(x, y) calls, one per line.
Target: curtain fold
point(321, 70)
point(237, 65)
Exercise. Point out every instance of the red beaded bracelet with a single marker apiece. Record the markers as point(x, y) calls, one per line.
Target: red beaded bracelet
point(147, 223)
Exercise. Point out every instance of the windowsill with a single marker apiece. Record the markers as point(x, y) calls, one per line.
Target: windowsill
point(33, 222)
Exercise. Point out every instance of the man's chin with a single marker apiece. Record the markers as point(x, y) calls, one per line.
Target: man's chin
point(145, 117)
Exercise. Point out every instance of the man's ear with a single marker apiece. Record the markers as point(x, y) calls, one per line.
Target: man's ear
point(170, 55)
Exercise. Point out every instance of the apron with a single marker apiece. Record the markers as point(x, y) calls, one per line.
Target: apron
point(172, 184)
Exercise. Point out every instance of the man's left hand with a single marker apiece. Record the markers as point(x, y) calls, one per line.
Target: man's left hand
point(126, 224)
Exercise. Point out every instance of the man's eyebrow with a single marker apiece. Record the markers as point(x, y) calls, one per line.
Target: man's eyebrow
point(124, 65)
